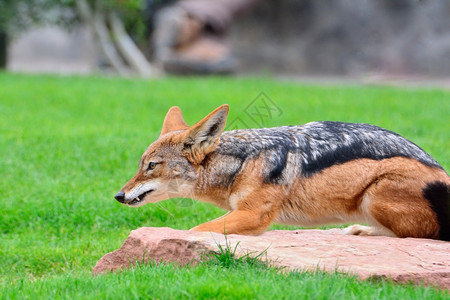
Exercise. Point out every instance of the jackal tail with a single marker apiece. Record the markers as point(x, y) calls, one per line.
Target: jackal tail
point(438, 194)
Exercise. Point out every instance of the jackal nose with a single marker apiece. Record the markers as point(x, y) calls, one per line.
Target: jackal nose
point(120, 196)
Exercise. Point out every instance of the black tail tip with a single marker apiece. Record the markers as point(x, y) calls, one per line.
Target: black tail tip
point(438, 193)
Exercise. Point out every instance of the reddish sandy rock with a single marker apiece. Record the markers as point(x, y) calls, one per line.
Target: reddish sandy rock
point(402, 260)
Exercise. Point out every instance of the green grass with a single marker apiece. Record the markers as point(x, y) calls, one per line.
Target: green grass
point(67, 145)
point(213, 282)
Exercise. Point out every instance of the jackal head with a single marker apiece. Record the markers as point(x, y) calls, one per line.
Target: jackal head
point(168, 168)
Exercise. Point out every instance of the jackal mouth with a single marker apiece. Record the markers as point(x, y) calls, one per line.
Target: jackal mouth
point(139, 198)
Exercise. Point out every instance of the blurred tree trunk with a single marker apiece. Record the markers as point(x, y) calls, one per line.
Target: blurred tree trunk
point(116, 45)
point(3, 49)
point(95, 19)
point(131, 53)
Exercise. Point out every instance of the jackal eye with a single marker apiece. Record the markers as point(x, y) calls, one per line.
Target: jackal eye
point(151, 165)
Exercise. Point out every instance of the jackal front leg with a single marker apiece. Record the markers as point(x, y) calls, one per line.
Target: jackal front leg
point(238, 222)
point(254, 207)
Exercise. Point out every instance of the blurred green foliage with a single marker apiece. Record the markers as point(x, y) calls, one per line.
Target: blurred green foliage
point(19, 15)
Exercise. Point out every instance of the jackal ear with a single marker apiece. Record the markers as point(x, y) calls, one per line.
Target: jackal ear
point(203, 137)
point(173, 121)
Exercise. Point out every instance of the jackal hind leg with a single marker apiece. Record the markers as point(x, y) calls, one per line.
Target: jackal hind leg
point(396, 207)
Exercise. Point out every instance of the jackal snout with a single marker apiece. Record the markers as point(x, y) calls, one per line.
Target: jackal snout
point(120, 196)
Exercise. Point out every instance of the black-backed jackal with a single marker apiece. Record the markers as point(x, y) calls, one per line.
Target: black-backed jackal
point(317, 173)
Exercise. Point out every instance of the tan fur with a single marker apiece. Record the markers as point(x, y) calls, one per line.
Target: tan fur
point(173, 121)
point(387, 194)
point(198, 152)
point(387, 186)
point(256, 207)
point(367, 191)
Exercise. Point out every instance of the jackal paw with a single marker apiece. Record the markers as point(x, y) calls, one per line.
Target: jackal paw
point(359, 230)
point(368, 230)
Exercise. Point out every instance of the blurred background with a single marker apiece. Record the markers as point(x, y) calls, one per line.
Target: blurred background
point(359, 40)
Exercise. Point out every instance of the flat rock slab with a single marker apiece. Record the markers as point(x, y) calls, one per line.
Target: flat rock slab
point(403, 260)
